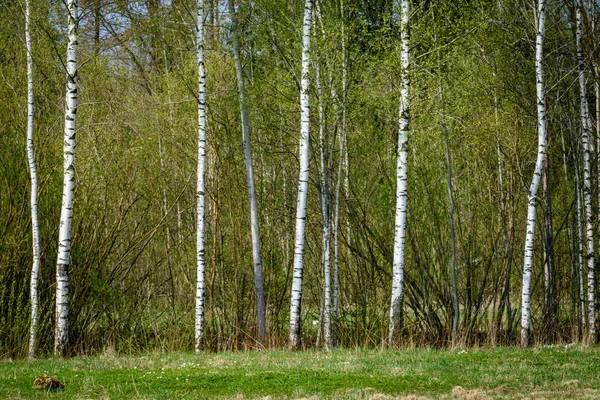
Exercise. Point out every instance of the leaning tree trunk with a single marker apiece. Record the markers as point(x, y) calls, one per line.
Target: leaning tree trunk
point(261, 316)
point(302, 181)
point(61, 334)
point(587, 180)
point(200, 261)
point(537, 174)
point(401, 180)
point(35, 269)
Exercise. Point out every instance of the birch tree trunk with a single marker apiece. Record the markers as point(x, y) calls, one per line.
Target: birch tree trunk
point(401, 179)
point(35, 269)
point(336, 211)
point(296, 299)
point(587, 180)
point(261, 316)
point(550, 316)
point(326, 234)
point(336, 225)
point(200, 260)
point(579, 245)
point(325, 192)
point(537, 174)
point(61, 334)
point(597, 91)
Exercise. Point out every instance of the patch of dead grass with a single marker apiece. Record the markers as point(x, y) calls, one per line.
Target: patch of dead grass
point(463, 394)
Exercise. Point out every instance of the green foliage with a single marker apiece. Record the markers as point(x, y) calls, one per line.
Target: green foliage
point(132, 271)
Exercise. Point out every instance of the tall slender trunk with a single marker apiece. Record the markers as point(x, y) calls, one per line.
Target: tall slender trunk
point(550, 296)
point(401, 179)
point(35, 230)
point(61, 335)
point(167, 231)
point(324, 195)
point(456, 314)
point(200, 197)
point(336, 225)
point(571, 233)
point(296, 299)
point(347, 203)
point(577, 190)
point(587, 180)
point(336, 215)
point(325, 192)
point(261, 316)
point(508, 248)
point(165, 202)
point(597, 90)
point(537, 174)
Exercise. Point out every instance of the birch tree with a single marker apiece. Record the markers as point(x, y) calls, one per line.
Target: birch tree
point(550, 308)
point(200, 197)
point(336, 206)
point(35, 230)
point(324, 197)
point(302, 181)
point(597, 90)
point(401, 177)
point(258, 275)
point(587, 180)
point(336, 225)
point(66, 215)
point(537, 174)
point(579, 248)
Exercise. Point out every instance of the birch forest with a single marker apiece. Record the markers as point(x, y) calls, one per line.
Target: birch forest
point(230, 175)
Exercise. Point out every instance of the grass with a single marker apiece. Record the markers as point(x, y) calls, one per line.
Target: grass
point(547, 372)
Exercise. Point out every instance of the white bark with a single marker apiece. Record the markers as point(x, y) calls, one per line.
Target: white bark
point(200, 198)
point(537, 174)
point(34, 187)
point(326, 234)
point(296, 300)
point(61, 334)
point(587, 180)
point(401, 179)
point(336, 225)
point(258, 275)
point(579, 245)
point(597, 90)
point(336, 210)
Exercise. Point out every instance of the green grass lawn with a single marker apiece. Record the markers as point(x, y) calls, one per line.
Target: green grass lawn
point(552, 372)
